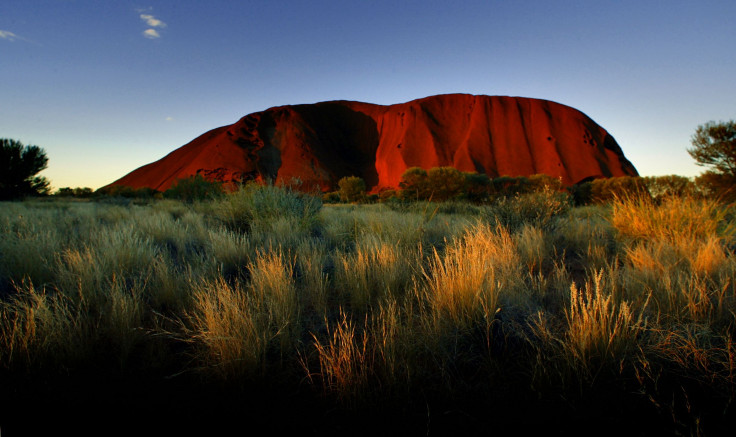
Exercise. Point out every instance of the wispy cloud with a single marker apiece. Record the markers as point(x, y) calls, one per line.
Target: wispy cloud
point(152, 21)
point(9, 36)
point(151, 34)
point(153, 24)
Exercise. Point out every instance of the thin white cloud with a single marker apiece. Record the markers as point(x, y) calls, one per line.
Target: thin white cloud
point(10, 36)
point(151, 34)
point(152, 21)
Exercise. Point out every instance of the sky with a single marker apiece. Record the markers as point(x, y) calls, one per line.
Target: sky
point(106, 86)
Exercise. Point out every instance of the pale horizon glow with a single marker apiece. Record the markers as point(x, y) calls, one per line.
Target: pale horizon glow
point(106, 87)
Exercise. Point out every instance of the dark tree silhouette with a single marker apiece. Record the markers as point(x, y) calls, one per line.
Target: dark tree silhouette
point(19, 166)
point(714, 146)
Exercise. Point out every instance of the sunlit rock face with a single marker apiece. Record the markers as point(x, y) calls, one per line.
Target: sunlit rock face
point(320, 143)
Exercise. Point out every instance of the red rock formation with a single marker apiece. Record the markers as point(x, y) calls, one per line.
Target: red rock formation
point(322, 142)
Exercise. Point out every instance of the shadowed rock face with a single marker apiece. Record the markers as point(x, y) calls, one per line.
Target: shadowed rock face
point(323, 142)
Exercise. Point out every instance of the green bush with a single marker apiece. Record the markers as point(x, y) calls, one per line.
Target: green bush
point(445, 183)
point(256, 205)
point(194, 188)
point(507, 186)
point(126, 192)
point(478, 187)
point(538, 209)
point(541, 182)
point(331, 197)
point(716, 185)
point(661, 187)
point(83, 193)
point(387, 195)
point(414, 184)
point(606, 189)
point(351, 189)
point(581, 193)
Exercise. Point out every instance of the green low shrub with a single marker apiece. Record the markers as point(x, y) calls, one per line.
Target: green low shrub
point(260, 205)
point(538, 209)
point(194, 188)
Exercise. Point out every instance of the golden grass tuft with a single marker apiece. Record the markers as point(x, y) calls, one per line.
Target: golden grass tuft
point(466, 284)
point(676, 219)
point(230, 329)
point(344, 358)
point(600, 331)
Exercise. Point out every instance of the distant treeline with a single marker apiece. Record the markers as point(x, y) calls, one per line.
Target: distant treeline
point(440, 184)
point(188, 189)
point(447, 183)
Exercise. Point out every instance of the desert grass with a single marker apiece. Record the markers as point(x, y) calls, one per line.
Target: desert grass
point(407, 306)
point(230, 329)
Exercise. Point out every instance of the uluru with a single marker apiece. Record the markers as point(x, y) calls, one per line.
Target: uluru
point(322, 142)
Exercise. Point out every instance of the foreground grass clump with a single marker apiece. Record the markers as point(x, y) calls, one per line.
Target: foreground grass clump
point(455, 316)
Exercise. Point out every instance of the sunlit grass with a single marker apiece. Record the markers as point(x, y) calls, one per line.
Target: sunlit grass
point(361, 303)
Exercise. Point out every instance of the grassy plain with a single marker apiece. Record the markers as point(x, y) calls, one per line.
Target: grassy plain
point(265, 307)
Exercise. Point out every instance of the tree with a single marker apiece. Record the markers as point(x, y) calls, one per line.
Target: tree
point(351, 189)
point(714, 146)
point(414, 184)
point(661, 187)
point(19, 165)
point(445, 183)
point(75, 192)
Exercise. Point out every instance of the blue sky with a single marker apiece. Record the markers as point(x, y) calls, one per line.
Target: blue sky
point(107, 86)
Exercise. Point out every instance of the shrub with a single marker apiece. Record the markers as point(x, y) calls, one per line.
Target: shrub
point(505, 186)
point(581, 193)
point(537, 209)
point(541, 182)
point(477, 187)
point(75, 192)
point(387, 195)
point(605, 190)
point(194, 188)
point(666, 186)
point(351, 189)
point(261, 205)
point(715, 185)
point(331, 197)
point(126, 192)
point(445, 183)
point(414, 184)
